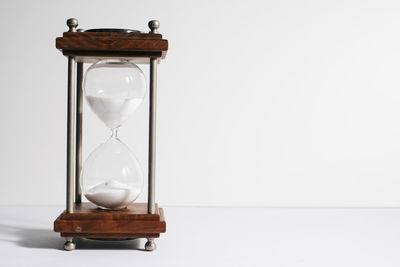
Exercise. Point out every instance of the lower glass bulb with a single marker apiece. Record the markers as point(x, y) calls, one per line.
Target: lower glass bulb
point(111, 176)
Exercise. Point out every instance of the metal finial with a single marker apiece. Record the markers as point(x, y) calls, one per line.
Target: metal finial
point(154, 25)
point(72, 24)
point(80, 30)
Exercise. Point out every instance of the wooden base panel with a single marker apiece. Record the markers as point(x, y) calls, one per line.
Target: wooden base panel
point(88, 221)
point(111, 236)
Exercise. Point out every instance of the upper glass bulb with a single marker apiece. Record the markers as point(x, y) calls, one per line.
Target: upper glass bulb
point(114, 89)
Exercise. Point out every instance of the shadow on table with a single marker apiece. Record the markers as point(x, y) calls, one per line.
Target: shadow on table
point(46, 238)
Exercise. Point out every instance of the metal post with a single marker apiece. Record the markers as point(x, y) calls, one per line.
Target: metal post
point(70, 133)
point(152, 135)
point(78, 147)
point(72, 24)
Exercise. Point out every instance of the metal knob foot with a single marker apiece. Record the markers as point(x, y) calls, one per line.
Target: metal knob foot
point(69, 244)
point(150, 244)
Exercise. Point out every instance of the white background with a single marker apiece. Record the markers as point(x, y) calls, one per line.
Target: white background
point(260, 103)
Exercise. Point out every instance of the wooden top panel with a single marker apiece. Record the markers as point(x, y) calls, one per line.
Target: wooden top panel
point(88, 211)
point(96, 58)
point(115, 34)
point(112, 44)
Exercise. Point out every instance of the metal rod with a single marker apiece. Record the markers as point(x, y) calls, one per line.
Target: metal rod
point(152, 136)
point(78, 147)
point(70, 133)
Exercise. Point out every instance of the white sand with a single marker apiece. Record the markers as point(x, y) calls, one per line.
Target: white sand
point(112, 194)
point(113, 111)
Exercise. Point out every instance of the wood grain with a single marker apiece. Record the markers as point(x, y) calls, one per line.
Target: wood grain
point(115, 34)
point(114, 54)
point(112, 44)
point(89, 221)
point(109, 226)
point(88, 211)
point(114, 236)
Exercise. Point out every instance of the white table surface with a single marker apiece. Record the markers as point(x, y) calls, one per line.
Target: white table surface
point(273, 237)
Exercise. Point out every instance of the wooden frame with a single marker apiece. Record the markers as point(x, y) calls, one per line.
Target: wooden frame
point(85, 220)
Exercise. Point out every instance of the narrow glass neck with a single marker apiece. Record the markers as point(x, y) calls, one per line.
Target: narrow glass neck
point(114, 133)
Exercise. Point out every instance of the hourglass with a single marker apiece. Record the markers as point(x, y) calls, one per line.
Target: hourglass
point(111, 178)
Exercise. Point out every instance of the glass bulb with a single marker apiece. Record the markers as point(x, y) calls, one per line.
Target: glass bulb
point(114, 89)
point(112, 177)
